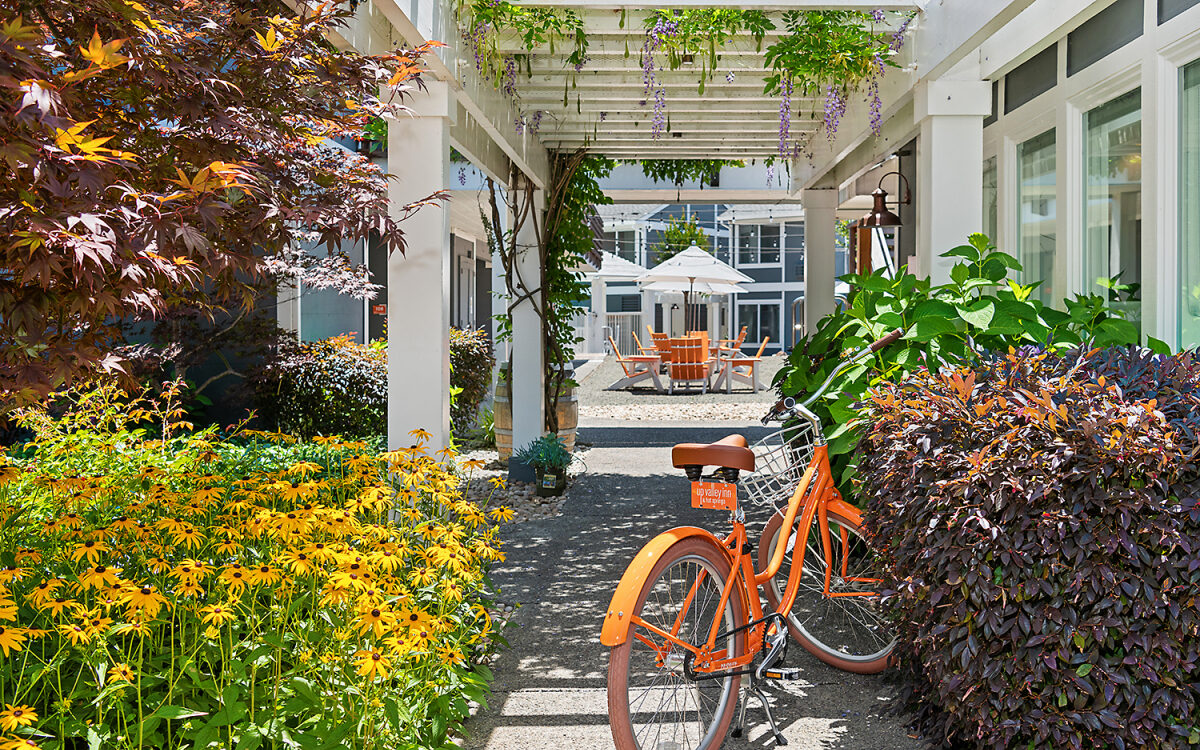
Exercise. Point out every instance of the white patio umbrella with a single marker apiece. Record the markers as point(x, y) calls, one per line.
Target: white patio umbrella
point(693, 266)
point(613, 266)
point(694, 287)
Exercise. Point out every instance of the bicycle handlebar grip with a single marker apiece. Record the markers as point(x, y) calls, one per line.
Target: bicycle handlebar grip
point(891, 338)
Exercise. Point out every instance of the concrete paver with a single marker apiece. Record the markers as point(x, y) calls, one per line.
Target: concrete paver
point(550, 684)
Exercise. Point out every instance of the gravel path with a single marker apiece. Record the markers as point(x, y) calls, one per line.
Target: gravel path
point(643, 403)
point(560, 572)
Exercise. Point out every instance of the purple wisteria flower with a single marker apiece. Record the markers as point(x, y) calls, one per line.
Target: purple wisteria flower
point(898, 36)
point(835, 108)
point(770, 174)
point(729, 77)
point(785, 117)
point(661, 30)
point(509, 86)
point(877, 15)
point(462, 176)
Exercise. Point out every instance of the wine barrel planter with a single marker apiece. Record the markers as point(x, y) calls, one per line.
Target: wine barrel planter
point(568, 419)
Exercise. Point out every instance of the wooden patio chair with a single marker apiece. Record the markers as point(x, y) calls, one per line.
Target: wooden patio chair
point(745, 369)
point(643, 349)
point(637, 368)
point(689, 363)
point(734, 345)
point(703, 336)
point(662, 344)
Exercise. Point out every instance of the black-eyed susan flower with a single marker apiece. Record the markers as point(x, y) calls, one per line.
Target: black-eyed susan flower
point(91, 549)
point(503, 513)
point(146, 599)
point(11, 639)
point(76, 633)
point(449, 656)
point(217, 615)
point(372, 664)
point(13, 717)
point(299, 563)
point(234, 576)
point(258, 575)
point(121, 673)
point(376, 620)
point(97, 576)
point(58, 604)
point(10, 574)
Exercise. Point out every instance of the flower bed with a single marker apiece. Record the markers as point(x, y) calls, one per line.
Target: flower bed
point(1038, 517)
point(169, 589)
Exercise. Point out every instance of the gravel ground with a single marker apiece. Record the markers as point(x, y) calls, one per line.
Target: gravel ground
point(643, 403)
point(519, 496)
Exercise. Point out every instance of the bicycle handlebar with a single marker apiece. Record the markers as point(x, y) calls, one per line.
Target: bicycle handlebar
point(788, 403)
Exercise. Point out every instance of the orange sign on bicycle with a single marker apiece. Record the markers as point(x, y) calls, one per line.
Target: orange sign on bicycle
point(714, 495)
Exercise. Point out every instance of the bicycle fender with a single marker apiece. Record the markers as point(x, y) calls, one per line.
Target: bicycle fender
point(846, 510)
point(620, 611)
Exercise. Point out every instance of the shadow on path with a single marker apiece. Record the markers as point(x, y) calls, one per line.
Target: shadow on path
point(550, 685)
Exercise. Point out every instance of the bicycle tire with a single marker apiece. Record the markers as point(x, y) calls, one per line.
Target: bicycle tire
point(813, 618)
point(628, 661)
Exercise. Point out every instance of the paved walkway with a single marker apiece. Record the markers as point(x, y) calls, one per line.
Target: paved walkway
point(550, 684)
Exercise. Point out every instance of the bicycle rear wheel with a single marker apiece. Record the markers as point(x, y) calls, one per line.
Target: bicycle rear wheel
point(845, 630)
point(652, 704)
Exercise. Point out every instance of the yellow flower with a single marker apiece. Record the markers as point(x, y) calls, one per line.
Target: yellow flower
point(17, 743)
point(498, 482)
point(423, 435)
point(120, 673)
point(449, 656)
point(472, 464)
point(8, 609)
point(298, 562)
point(91, 550)
point(76, 633)
point(263, 574)
point(8, 575)
point(98, 576)
point(17, 716)
point(503, 514)
point(372, 663)
point(11, 639)
point(234, 577)
point(146, 599)
point(56, 606)
point(377, 620)
point(451, 591)
point(217, 614)
point(190, 589)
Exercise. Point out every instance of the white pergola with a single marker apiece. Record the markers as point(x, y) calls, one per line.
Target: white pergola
point(939, 97)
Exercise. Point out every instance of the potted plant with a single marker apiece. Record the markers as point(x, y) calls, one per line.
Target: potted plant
point(549, 458)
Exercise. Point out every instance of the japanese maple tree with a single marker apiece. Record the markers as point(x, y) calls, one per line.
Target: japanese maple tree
point(168, 155)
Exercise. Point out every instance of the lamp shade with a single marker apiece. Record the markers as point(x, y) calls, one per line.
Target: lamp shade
point(880, 215)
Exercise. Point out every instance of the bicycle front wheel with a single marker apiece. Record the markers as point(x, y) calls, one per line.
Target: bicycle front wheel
point(652, 704)
point(844, 626)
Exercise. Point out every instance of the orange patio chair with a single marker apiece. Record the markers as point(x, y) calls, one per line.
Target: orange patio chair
point(662, 343)
point(642, 349)
point(734, 345)
point(745, 369)
point(689, 363)
point(637, 369)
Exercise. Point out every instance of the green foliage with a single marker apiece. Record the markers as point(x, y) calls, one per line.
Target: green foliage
point(703, 32)
point(482, 21)
point(164, 588)
point(678, 171)
point(679, 235)
point(826, 48)
point(471, 364)
point(166, 157)
point(546, 452)
point(980, 308)
point(329, 387)
point(1037, 520)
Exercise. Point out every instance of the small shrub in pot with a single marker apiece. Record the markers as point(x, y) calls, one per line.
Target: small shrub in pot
point(549, 458)
point(1037, 516)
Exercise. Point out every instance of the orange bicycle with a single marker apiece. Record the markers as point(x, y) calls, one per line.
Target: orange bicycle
point(686, 622)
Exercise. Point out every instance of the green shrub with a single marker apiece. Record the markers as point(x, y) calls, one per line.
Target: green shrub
point(329, 387)
point(1038, 520)
point(979, 308)
point(547, 452)
point(471, 363)
point(170, 589)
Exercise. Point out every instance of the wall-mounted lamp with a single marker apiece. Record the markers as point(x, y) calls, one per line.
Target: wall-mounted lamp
point(880, 215)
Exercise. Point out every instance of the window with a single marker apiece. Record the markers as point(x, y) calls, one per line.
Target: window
point(793, 243)
point(622, 243)
point(990, 198)
point(1030, 79)
point(1112, 212)
point(1189, 207)
point(1107, 31)
point(761, 321)
point(1036, 202)
point(757, 244)
point(1168, 9)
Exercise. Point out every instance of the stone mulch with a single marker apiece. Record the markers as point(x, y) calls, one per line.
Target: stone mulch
point(520, 496)
point(696, 411)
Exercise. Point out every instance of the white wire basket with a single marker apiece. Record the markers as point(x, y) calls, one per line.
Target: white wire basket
point(780, 460)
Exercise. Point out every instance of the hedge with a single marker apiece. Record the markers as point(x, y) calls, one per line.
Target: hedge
point(1037, 519)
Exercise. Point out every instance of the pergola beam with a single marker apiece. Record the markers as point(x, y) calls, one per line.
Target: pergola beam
point(864, 5)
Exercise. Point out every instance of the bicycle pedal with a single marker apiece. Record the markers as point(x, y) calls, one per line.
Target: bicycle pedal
point(782, 673)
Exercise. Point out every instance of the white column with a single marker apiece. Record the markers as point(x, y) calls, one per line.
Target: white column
point(949, 189)
point(820, 246)
point(418, 311)
point(599, 317)
point(528, 352)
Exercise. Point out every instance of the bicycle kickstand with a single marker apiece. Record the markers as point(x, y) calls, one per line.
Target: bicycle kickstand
point(740, 720)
